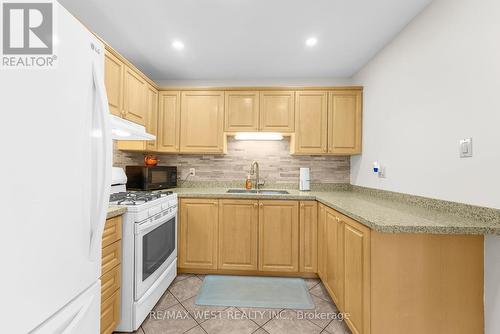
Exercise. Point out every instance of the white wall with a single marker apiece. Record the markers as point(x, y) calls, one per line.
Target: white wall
point(255, 82)
point(435, 83)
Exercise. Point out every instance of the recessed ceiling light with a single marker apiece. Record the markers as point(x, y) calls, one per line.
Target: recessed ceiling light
point(178, 45)
point(311, 41)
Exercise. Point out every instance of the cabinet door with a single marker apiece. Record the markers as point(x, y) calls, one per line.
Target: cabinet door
point(238, 225)
point(198, 233)
point(277, 111)
point(344, 122)
point(202, 122)
point(279, 236)
point(135, 97)
point(151, 126)
point(152, 117)
point(357, 275)
point(308, 235)
point(321, 241)
point(311, 110)
point(113, 80)
point(334, 231)
point(241, 111)
point(169, 115)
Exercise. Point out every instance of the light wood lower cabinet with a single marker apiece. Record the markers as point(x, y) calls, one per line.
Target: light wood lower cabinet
point(238, 234)
point(356, 275)
point(111, 275)
point(334, 256)
point(246, 236)
point(321, 241)
point(198, 233)
point(278, 236)
point(308, 237)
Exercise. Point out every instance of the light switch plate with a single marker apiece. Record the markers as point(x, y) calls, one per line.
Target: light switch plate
point(466, 148)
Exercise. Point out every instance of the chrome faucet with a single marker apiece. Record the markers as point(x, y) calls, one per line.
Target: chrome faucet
point(254, 170)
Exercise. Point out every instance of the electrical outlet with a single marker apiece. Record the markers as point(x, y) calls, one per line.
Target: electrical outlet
point(192, 172)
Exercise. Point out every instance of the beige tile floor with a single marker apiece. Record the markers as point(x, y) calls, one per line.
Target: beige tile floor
point(194, 319)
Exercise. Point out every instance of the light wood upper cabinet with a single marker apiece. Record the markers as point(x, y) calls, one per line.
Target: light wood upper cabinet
point(169, 116)
point(238, 237)
point(113, 80)
point(334, 256)
point(308, 237)
point(151, 125)
point(152, 117)
point(277, 111)
point(357, 275)
point(198, 234)
point(202, 122)
point(279, 236)
point(344, 122)
point(135, 97)
point(311, 110)
point(241, 111)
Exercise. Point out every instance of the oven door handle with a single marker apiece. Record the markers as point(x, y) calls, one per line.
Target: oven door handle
point(153, 223)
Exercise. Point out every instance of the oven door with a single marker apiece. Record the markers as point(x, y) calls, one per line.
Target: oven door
point(155, 249)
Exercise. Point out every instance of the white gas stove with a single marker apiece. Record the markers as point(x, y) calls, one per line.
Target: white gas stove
point(149, 249)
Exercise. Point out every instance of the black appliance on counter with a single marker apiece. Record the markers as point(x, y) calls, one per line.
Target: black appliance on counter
point(151, 178)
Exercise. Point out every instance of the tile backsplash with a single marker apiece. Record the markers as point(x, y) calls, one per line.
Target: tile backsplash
point(276, 163)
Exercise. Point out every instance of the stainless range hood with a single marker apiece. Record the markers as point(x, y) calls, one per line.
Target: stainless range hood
point(121, 129)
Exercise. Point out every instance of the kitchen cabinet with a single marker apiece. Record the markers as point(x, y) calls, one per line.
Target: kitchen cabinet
point(277, 111)
point(198, 233)
point(344, 122)
point(241, 111)
point(311, 126)
point(238, 234)
point(202, 122)
point(308, 236)
point(113, 80)
point(334, 256)
point(169, 117)
point(111, 274)
point(278, 236)
point(151, 126)
point(135, 97)
point(356, 277)
point(321, 240)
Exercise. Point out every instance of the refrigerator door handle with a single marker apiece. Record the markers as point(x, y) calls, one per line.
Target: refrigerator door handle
point(102, 156)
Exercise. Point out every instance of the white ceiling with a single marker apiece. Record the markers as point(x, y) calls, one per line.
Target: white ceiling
point(231, 40)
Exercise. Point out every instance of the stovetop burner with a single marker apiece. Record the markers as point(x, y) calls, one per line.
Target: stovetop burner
point(136, 197)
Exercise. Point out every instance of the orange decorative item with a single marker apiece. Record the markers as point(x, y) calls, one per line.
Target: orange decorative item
point(150, 160)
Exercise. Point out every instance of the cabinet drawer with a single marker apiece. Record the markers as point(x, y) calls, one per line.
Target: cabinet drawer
point(110, 313)
point(111, 256)
point(110, 282)
point(112, 231)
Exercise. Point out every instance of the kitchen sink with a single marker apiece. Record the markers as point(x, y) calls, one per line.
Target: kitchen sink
point(253, 191)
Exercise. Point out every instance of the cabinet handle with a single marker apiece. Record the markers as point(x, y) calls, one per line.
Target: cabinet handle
point(261, 205)
point(337, 219)
point(301, 205)
point(255, 205)
point(215, 203)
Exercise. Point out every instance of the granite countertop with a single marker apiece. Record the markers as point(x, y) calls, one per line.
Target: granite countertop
point(383, 213)
point(115, 210)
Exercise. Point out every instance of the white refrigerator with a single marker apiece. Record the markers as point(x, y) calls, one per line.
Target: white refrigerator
point(55, 170)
